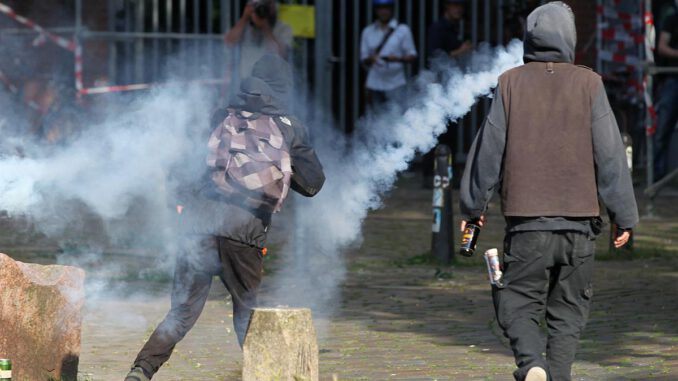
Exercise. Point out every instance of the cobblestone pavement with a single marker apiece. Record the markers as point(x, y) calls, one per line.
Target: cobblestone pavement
point(404, 318)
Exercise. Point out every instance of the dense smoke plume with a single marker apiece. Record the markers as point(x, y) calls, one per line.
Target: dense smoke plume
point(142, 152)
point(356, 181)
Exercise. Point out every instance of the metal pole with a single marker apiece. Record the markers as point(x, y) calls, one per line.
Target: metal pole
point(355, 77)
point(649, 122)
point(342, 65)
point(442, 240)
point(408, 16)
point(500, 22)
point(78, 55)
point(112, 45)
point(196, 44)
point(422, 35)
point(169, 24)
point(474, 111)
point(139, 45)
point(129, 52)
point(599, 37)
point(225, 14)
point(487, 22)
point(156, 42)
point(182, 30)
point(210, 43)
point(323, 54)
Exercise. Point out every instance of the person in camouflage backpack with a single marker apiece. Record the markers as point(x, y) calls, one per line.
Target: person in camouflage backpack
point(256, 153)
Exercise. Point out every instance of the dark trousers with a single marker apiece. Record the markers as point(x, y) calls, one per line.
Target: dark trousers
point(240, 268)
point(547, 277)
point(667, 117)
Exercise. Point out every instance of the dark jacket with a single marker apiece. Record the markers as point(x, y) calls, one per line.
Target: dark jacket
point(443, 37)
point(538, 163)
point(208, 211)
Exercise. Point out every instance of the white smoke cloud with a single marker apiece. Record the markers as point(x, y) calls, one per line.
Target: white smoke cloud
point(131, 155)
point(356, 181)
point(140, 151)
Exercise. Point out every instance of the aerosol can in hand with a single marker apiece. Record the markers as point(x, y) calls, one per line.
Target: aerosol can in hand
point(494, 268)
point(469, 238)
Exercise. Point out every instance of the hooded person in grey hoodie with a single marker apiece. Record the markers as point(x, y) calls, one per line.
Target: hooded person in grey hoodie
point(551, 146)
point(220, 234)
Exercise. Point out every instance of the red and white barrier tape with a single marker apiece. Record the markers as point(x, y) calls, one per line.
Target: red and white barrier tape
point(145, 86)
point(650, 35)
point(60, 41)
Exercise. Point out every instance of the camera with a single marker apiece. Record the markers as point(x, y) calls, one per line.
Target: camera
point(263, 9)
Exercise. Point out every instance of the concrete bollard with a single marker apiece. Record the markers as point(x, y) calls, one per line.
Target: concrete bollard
point(281, 345)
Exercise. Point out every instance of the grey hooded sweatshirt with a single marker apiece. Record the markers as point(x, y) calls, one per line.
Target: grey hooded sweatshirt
point(550, 143)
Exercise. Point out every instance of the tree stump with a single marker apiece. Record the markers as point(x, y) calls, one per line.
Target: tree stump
point(40, 319)
point(281, 345)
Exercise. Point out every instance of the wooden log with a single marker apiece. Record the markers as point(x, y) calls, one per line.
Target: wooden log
point(281, 345)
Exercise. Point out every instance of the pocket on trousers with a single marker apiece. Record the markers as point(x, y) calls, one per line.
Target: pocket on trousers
point(584, 248)
point(523, 246)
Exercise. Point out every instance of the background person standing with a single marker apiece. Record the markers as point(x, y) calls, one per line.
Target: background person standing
point(446, 43)
point(259, 32)
point(446, 36)
point(552, 145)
point(385, 47)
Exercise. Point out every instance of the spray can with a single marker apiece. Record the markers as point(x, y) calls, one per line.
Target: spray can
point(5, 370)
point(469, 238)
point(494, 267)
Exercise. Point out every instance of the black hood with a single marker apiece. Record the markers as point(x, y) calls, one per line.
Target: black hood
point(551, 35)
point(267, 89)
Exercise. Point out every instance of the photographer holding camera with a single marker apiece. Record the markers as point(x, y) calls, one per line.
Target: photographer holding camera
point(259, 32)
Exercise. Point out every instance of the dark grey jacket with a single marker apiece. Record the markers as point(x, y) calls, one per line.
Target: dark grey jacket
point(208, 211)
point(551, 37)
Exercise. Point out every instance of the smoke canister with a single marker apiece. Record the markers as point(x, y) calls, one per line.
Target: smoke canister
point(494, 267)
point(5, 370)
point(469, 238)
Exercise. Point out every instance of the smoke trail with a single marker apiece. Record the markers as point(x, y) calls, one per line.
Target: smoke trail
point(356, 182)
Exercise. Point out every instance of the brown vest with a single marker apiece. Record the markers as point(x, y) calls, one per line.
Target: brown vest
point(548, 164)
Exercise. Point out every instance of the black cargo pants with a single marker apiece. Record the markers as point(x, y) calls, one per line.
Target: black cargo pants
point(200, 259)
point(547, 277)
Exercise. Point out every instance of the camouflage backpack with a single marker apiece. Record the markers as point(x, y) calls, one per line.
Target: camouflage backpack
point(250, 160)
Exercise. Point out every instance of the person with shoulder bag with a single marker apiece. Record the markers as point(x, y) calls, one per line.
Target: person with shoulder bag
point(385, 47)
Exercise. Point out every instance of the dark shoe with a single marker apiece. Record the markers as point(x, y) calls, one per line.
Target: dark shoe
point(136, 374)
